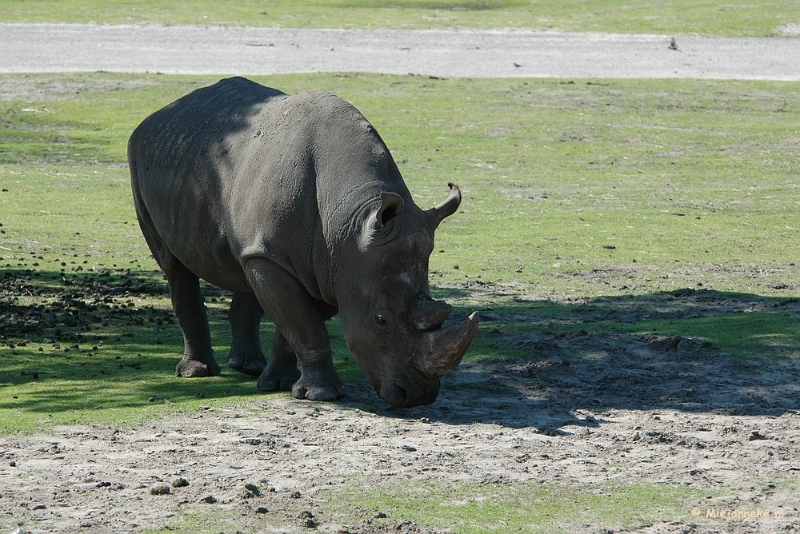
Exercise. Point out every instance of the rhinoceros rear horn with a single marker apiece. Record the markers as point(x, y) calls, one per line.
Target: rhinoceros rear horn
point(443, 350)
point(446, 208)
point(428, 314)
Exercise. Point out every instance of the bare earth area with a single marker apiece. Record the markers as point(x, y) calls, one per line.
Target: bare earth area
point(586, 408)
point(589, 407)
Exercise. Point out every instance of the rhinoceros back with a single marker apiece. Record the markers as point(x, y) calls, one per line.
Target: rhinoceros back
point(185, 127)
point(238, 171)
point(182, 173)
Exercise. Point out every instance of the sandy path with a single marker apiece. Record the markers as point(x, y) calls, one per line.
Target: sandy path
point(454, 53)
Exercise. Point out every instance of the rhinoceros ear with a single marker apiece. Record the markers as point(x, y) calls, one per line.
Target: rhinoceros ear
point(391, 206)
point(447, 207)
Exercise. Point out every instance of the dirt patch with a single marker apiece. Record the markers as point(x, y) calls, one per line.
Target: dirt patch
point(581, 407)
point(34, 87)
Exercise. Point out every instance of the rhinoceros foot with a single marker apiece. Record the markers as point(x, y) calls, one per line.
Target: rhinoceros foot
point(190, 368)
point(317, 393)
point(319, 385)
point(252, 366)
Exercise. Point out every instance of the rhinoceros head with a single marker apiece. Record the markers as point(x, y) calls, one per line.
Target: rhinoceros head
point(392, 325)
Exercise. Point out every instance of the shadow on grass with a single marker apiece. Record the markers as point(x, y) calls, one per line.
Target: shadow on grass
point(548, 364)
point(111, 342)
point(98, 341)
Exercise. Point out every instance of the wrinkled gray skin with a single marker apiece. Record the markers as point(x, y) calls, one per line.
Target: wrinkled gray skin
point(295, 205)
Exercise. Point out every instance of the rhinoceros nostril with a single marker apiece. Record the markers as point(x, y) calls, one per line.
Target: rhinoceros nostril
point(392, 393)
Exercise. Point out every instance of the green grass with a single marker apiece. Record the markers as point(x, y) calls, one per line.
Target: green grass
point(604, 194)
point(523, 507)
point(471, 508)
point(710, 17)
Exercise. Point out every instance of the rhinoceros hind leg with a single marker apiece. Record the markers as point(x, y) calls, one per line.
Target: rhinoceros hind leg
point(281, 371)
point(184, 289)
point(245, 318)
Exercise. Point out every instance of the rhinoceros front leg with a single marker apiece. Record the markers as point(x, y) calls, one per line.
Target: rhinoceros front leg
point(187, 301)
point(244, 316)
point(302, 328)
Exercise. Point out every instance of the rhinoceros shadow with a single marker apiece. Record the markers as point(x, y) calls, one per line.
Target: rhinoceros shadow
point(549, 365)
point(535, 363)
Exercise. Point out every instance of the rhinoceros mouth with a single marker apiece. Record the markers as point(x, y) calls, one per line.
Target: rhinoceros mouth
point(441, 351)
point(393, 393)
point(402, 393)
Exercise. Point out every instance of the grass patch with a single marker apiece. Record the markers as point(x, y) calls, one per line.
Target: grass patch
point(584, 199)
point(743, 326)
point(710, 17)
point(528, 506)
point(588, 187)
point(467, 507)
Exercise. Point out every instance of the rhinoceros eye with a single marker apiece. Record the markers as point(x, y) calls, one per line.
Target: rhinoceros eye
point(382, 319)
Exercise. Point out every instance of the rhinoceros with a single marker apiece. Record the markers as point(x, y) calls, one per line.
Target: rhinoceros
point(294, 204)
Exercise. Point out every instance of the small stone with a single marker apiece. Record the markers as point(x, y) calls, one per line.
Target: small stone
point(307, 519)
point(160, 490)
point(262, 510)
point(252, 488)
point(295, 495)
point(210, 499)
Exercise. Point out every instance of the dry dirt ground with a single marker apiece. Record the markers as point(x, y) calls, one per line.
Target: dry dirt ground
point(583, 408)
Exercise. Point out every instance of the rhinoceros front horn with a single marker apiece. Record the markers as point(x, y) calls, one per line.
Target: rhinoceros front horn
point(443, 350)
